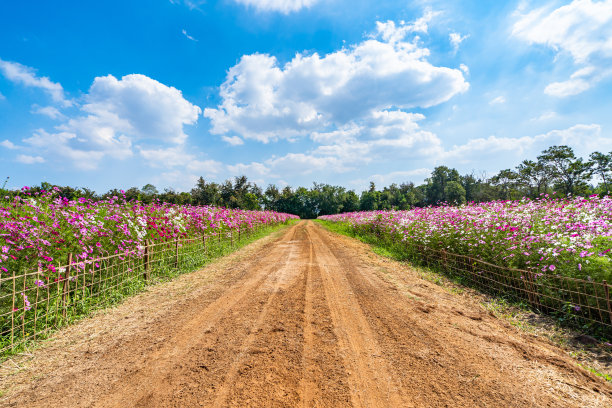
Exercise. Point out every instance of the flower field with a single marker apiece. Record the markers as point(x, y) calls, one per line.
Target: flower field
point(568, 237)
point(56, 253)
point(565, 245)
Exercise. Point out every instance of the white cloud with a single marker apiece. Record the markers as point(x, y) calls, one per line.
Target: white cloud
point(264, 101)
point(416, 176)
point(139, 106)
point(282, 6)
point(61, 145)
point(582, 29)
point(188, 36)
point(250, 169)
point(383, 136)
point(580, 81)
point(464, 68)
point(26, 76)
point(26, 159)
point(390, 32)
point(546, 116)
point(584, 139)
point(206, 166)
point(8, 144)
point(115, 115)
point(499, 100)
point(456, 39)
point(49, 111)
point(233, 140)
point(166, 156)
point(177, 156)
point(192, 4)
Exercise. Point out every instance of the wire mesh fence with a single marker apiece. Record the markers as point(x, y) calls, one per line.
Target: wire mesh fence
point(585, 302)
point(33, 303)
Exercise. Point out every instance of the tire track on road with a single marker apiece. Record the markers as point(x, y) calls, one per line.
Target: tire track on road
point(308, 372)
point(230, 379)
point(161, 362)
point(371, 382)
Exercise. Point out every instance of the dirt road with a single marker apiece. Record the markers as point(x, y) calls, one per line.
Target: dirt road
point(305, 318)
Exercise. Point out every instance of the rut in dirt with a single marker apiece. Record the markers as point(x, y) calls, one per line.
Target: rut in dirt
point(314, 319)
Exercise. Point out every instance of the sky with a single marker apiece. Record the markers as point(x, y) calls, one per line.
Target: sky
point(117, 94)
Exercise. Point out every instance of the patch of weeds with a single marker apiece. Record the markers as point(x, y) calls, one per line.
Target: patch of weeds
point(382, 251)
point(597, 373)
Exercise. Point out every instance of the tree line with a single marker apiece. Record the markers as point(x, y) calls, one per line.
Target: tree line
point(556, 169)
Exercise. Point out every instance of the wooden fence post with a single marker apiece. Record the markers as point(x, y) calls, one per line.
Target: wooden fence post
point(204, 243)
point(533, 297)
point(13, 308)
point(232, 237)
point(176, 253)
point(147, 265)
point(66, 286)
point(38, 276)
point(607, 290)
point(239, 234)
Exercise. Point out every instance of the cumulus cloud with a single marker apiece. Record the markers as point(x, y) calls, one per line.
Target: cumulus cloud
point(166, 156)
point(580, 81)
point(253, 168)
point(456, 39)
point(23, 75)
point(26, 159)
point(581, 29)
point(383, 136)
point(265, 101)
point(282, 6)
point(139, 106)
point(583, 138)
point(233, 140)
point(115, 115)
point(61, 145)
point(415, 175)
point(49, 111)
point(8, 144)
point(205, 166)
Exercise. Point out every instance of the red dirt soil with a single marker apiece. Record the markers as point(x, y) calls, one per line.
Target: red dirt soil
point(303, 318)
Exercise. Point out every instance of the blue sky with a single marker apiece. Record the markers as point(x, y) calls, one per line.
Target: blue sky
point(120, 94)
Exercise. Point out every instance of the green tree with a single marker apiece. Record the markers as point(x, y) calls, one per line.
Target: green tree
point(505, 180)
point(602, 166)
point(533, 177)
point(350, 202)
point(205, 193)
point(570, 173)
point(436, 183)
point(454, 192)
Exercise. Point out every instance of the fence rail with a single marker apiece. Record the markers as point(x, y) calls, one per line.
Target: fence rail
point(582, 300)
point(32, 304)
